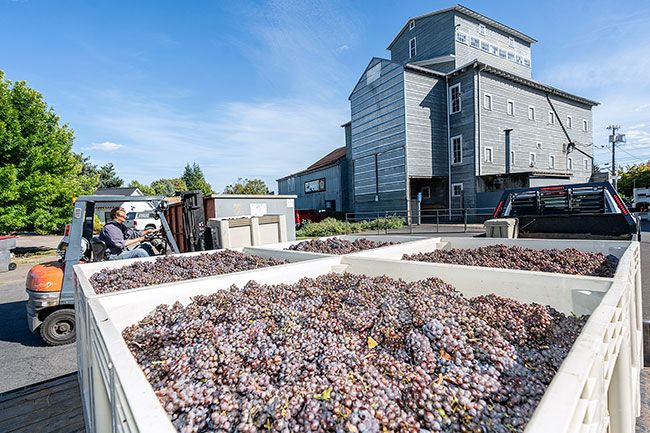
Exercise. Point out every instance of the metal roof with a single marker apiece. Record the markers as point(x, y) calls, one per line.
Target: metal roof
point(470, 13)
point(330, 159)
point(129, 190)
point(521, 80)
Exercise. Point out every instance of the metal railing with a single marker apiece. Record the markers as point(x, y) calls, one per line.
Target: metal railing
point(425, 220)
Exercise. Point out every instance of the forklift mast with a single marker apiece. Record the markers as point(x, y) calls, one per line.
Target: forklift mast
point(193, 219)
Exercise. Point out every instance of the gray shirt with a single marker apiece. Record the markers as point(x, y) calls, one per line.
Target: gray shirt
point(115, 235)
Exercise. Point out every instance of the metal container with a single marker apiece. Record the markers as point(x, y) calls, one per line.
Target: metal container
point(7, 243)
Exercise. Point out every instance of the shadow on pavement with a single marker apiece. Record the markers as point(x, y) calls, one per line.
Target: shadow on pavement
point(21, 251)
point(13, 325)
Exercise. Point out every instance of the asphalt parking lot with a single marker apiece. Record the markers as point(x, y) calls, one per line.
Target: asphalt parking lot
point(24, 358)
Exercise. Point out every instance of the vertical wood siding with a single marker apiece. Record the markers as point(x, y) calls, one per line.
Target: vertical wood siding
point(434, 36)
point(527, 133)
point(463, 124)
point(426, 125)
point(334, 177)
point(377, 145)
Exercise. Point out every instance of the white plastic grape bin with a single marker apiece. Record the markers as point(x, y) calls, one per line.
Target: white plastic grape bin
point(84, 290)
point(595, 390)
point(405, 243)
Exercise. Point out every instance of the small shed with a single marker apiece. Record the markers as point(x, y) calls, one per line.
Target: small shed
point(322, 185)
point(103, 209)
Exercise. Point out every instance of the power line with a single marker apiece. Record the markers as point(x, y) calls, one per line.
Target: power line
point(633, 156)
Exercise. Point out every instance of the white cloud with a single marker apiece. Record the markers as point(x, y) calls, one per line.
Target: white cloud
point(622, 67)
point(264, 139)
point(294, 46)
point(106, 146)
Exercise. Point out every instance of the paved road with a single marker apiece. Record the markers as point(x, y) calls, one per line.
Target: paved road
point(24, 358)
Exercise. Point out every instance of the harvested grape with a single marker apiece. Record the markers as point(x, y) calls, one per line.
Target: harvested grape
point(169, 269)
point(351, 353)
point(338, 246)
point(566, 261)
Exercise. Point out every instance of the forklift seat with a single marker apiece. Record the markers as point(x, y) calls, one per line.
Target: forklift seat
point(98, 248)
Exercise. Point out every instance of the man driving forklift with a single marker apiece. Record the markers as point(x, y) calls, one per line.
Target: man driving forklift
point(118, 238)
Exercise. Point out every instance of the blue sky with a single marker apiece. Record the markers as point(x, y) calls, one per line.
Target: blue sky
point(259, 89)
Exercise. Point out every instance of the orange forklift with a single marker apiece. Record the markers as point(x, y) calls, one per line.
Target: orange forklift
point(50, 286)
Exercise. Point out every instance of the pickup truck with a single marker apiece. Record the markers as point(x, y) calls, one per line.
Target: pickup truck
point(575, 211)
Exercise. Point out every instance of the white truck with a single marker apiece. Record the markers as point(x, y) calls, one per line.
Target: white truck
point(641, 203)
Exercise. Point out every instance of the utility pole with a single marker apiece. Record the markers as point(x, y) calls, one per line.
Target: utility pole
point(615, 139)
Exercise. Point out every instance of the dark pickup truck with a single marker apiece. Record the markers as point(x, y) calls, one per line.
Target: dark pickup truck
point(575, 211)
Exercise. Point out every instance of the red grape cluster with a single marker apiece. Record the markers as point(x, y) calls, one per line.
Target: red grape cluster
point(566, 261)
point(338, 246)
point(169, 269)
point(351, 353)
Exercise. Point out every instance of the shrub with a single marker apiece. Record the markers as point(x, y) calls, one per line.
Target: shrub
point(97, 225)
point(332, 227)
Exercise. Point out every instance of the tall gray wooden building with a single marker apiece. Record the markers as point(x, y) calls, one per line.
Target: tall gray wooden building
point(454, 114)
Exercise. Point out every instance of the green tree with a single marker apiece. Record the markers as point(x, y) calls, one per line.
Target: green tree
point(633, 175)
point(108, 178)
point(168, 187)
point(89, 173)
point(247, 186)
point(194, 179)
point(39, 173)
point(144, 189)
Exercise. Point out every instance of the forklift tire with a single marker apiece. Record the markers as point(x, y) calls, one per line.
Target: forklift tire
point(12, 266)
point(59, 327)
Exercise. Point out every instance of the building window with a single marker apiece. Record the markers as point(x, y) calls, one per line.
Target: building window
point(569, 163)
point(511, 56)
point(487, 101)
point(454, 98)
point(586, 165)
point(457, 149)
point(512, 158)
point(487, 154)
point(481, 29)
point(411, 24)
point(426, 192)
point(532, 159)
point(511, 41)
point(510, 107)
point(456, 189)
point(585, 125)
point(569, 122)
point(485, 46)
point(539, 144)
point(461, 37)
point(551, 118)
point(503, 53)
point(494, 50)
point(412, 48)
point(551, 161)
point(291, 184)
point(475, 42)
point(531, 112)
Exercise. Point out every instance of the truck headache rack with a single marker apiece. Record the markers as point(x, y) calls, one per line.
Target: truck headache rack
point(572, 211)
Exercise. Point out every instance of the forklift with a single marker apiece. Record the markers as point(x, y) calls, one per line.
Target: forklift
point(50, 286)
